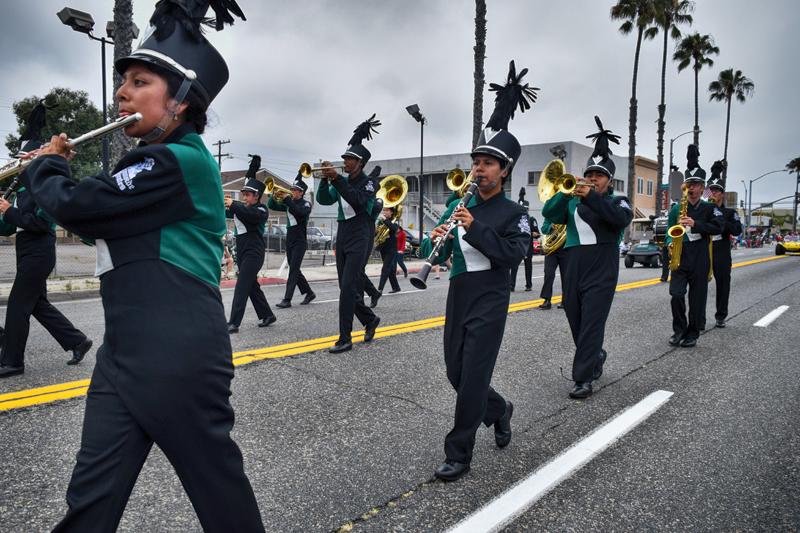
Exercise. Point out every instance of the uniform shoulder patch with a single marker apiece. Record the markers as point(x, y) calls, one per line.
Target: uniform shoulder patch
point(735, 216)
point(524, 225)
point(369, 186)
point(261, 208)
point(717, 212)
point(124, 177)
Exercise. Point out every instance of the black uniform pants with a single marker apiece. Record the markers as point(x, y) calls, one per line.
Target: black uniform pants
point(589, 285)
point(350, 264)
point(691, 275)
point(664, 262)
point(28, 298)
point(722, 275)
point(162, 376)
point(528, 260)
point(557, 259)
point(247, 286)
point(294, 255)
point(389, 269)
point(477, 306)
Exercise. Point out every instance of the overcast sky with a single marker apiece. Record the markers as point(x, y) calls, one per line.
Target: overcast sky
point(305, 73)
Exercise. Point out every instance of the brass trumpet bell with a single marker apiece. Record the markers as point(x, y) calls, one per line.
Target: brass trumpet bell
point(306, 170)
point(274, 188)
point(393, 191)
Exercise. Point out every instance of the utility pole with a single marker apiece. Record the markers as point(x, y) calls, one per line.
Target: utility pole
point(220, 155)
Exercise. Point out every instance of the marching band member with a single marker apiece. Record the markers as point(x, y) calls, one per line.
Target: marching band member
point(377, 209)
point(721, 244)
point(528, 259)
point(297, 211)
point(355, 196)
point(388, 251)
point(595, 219)
point(492, 236)
point(164, 370)
point(701, 220)
point(556, 259)
point(249, 217)
point(35, 246)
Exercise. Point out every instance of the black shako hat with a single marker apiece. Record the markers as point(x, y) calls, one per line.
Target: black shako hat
point(300, 185)
point(31, 138)
point(253, 185)
point(601, 156)
point(693, 171)
point(175, 41)
point(717, 179)
point(495, 140)
point(362, 132)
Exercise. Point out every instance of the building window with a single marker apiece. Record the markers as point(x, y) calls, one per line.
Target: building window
point(649, 187)
point(533, 177)
point(619, 186)
point(639, 185)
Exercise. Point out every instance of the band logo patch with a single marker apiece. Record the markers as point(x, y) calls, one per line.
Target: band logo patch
point(370, 186)
point(524, 224)
point(717, 212)
point(625, 204)
point(125, 176)
point(736, 216)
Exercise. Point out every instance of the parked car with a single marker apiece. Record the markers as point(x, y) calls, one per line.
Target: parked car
point(412, 243)
point(317, 240)
point(275, 238)
point(645, 253)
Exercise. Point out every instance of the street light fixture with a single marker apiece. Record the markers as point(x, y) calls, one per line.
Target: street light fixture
point(83, 22)
point(750, 196)
point(415, 112)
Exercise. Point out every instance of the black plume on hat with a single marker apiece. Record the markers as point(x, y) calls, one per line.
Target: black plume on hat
point(601, 156)
point(190, 14)
point(693, 170)
point(717, 178)
point(31, 137)
point(375, 172)
point(362, 132)
point(255, 166)
point(495, 140)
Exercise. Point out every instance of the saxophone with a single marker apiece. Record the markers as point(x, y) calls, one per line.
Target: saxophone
point(677, 232)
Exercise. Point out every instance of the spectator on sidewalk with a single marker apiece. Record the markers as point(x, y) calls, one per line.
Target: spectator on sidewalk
point(401, 249)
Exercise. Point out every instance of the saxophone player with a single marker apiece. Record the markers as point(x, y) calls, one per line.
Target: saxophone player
point(701, 220)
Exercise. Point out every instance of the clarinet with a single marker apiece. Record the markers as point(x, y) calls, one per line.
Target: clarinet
point(420, 280)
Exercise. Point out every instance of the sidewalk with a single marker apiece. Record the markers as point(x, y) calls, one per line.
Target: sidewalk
point(59, 290)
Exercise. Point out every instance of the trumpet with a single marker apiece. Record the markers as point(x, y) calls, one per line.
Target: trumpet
point(306, 170)
point(275, 189)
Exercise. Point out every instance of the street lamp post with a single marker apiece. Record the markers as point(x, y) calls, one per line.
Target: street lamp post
point(414, 111)
point(750, 196)
point(658, 187)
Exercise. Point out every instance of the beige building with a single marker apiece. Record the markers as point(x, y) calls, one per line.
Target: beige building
point(645, 188)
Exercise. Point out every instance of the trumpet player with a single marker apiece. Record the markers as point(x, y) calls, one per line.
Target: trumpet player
point(297, 210)
point(700, 220)
point(388, 251)
point(492, 236)
point(595, 220)
point(355, 195)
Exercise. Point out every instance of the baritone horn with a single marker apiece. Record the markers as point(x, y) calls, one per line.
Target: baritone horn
point(458, 181)
point(393, 191)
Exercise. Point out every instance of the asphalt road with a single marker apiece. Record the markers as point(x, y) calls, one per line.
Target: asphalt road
point(351, 440)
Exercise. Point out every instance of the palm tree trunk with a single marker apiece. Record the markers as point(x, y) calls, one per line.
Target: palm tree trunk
point(123, 37)
point(480, 55)
point(696, 110)
point(662, 108)
point(632, 129)
point(727, 129)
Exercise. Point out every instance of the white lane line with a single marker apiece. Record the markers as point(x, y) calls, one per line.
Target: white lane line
point(517, 499)
point(770, 317)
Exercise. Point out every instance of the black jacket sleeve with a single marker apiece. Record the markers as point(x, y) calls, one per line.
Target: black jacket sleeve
point(617, 213)
point(712, 223)
point(146, 191)
point(299, 209)
point(733, 225)
point(358, 196)
point(27, 220)
point(251, 215)
point(505, 250)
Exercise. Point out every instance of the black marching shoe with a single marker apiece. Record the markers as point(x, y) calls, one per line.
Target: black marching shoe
point(233, 328)
point(309, 297)
point(502, 428)
point(369, 331)
point(528, 289)
point(284, 304)
point(720, 323)
point(79, 352)
point(601, 360)
point(675, 340)
point(264, 322)
point(8, 371)
point(582, 390)
point(546, 305)
point(688, 343)
point(340, 347)
point(451, 470)
point(560, 305)
point(373, 301)
point(394, 291)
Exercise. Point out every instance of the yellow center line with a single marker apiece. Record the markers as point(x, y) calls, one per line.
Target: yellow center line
point(74, 389)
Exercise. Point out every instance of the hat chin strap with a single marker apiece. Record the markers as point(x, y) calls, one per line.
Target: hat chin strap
point(172, 110)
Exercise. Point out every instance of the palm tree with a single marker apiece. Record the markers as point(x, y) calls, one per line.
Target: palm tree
point(668, 15)
point(695, 49)
point(794, 166)
point(635, 14)
point(728, 85)
point(480, 55)
point(124, 30)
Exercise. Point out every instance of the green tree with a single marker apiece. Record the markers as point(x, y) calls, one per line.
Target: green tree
point(480, 77)
point(120, 143)
point(70, 112)
point(794, 166)
point(728, 85)
point(636, 14)
point(668, 15)
point(695, 49)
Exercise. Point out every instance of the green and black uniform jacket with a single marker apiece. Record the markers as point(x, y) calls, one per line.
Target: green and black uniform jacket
point(355, 197)
point(596, 219)
point(708, 220)
point(731, 225)
point(297, 213)
point(249, 223)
